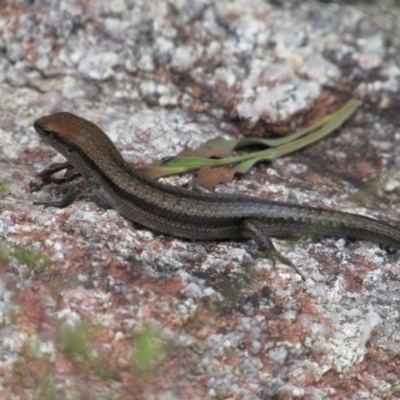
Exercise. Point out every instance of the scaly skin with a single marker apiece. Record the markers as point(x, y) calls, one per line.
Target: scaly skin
point(187, 214)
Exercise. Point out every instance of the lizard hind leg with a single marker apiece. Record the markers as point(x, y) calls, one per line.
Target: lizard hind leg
point(257, 230)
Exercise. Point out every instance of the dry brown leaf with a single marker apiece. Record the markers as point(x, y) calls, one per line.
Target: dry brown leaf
point(211, 177)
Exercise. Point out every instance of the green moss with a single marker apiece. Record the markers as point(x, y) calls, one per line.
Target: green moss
point(23, 255)
point(100, 367)
point(76, 340)
point(3, 188)
point(46, 391)
point(232, 288)
point(148, 350)
point(34, 366)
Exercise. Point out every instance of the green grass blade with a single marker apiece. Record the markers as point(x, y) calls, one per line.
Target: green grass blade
point(281, 147)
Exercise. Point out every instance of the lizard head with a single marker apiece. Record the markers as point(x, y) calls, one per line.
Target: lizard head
point(80, 141)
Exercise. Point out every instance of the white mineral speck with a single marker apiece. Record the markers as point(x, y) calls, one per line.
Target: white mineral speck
point(57, 257)
point(247, 110)
point(290, 315)
point(115, 6)
point(57, 246)
point(255, 347)
point(193, 290)
point(183, 59)
point(167, 334)
point(277, 73)
point(98, 66)
point(184, 340)
point(278, 354)
point(82, 278)
point(164, 46)
point(69, 317)
point(373, 52)
point(317, 67)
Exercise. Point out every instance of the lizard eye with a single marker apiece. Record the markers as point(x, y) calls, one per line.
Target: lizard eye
point(42, 130)
point(47, 132)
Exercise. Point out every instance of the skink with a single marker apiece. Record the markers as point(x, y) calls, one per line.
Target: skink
point(187, 214)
